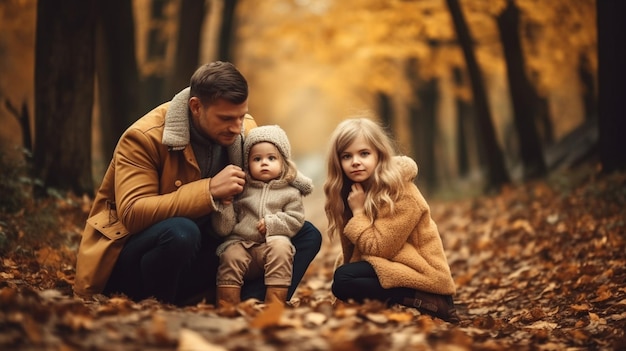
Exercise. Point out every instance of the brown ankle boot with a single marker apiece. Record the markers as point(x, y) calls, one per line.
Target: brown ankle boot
point(228, 295)
point(276, 293)
point(440, 306)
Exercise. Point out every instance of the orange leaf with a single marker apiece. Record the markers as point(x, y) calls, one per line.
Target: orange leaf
point(583, 307)
point(401, 317)
point(270, 316)
point(579, 334)
point(603, 296)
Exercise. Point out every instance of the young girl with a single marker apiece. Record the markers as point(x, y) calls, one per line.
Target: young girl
point(257, 227)
point(391, 247)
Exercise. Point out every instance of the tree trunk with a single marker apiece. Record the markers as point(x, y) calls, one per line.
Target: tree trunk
point(385, 110)
point(467, 153)
point(464, 118)
point(24, 120)
point(522, 94)
point(118, 77)
point(226, 31)
point(542, 112)
point(588, 82)
point(422, 117)
point(64, 85)
point(192, 14)
point(612, 83)
point(497, 174)
point(152, 84)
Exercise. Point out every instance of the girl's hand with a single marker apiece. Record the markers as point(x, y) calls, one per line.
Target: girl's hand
point(261, 226)
point(356, 199)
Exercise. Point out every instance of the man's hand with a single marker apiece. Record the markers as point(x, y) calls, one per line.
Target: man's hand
point(227, 183)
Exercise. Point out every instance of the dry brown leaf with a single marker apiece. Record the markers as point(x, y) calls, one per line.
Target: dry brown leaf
point(484, 322)
point(578, 334)
point(582, 307)
point(401, 317)
point(603, 294)
point(34, 331)
point(524, 225)
point(542, 325)
point(77, 322)
point(160, 332)
point(378, 318)
point(315, 318)
point(617, 317)
point(270, 316)
point(190, 340)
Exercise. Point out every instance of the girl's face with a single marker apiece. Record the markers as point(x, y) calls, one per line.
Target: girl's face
point(358, 160)
point(265, 162)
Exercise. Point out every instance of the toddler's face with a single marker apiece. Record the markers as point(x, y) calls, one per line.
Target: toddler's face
point(265, 162)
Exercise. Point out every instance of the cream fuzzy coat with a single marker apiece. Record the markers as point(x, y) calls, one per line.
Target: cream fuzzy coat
point(279, 202)
point(405, 248)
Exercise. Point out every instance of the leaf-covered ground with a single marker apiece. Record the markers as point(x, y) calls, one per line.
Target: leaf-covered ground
point(540, 266)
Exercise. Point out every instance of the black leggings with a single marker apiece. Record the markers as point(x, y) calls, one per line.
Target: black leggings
point(358, 281)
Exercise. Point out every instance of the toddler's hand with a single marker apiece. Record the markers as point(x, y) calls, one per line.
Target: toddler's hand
point(261, 226)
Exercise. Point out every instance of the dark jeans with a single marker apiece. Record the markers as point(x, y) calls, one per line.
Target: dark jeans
point(175, 260)
point(358, 281)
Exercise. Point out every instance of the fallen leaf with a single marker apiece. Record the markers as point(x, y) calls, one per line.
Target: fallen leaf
point(582, 307)
point(190, 340)
point(542, 325)
point(268, 317)
point(315, 318)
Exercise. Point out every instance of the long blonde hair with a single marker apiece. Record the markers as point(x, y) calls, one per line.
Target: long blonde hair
point(385, 186)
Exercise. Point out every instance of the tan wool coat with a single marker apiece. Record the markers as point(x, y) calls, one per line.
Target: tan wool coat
point(152, 176)
point(405, 248)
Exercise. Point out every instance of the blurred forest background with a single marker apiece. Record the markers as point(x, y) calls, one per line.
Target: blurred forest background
point(513, 109)
point(480, 93)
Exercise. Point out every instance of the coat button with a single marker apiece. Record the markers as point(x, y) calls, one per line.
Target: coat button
point(178, 183)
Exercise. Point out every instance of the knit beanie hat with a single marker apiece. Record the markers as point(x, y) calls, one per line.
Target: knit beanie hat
point(270, 133)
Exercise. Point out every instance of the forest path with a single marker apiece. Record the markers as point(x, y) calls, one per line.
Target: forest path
point(539, 266)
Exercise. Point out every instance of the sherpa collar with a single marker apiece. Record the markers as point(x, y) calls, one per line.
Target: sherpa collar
point(176, 134)
point(176, 131)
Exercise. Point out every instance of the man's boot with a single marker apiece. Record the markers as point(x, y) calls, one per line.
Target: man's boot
point(276, 293)
point(230, 295)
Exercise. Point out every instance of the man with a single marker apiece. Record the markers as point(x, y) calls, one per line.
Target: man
point(148, 233)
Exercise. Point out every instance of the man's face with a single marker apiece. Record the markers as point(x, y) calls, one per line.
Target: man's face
point(221, 121)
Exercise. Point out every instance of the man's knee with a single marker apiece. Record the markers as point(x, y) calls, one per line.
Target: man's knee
point(182, 235)
point(308, 238)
